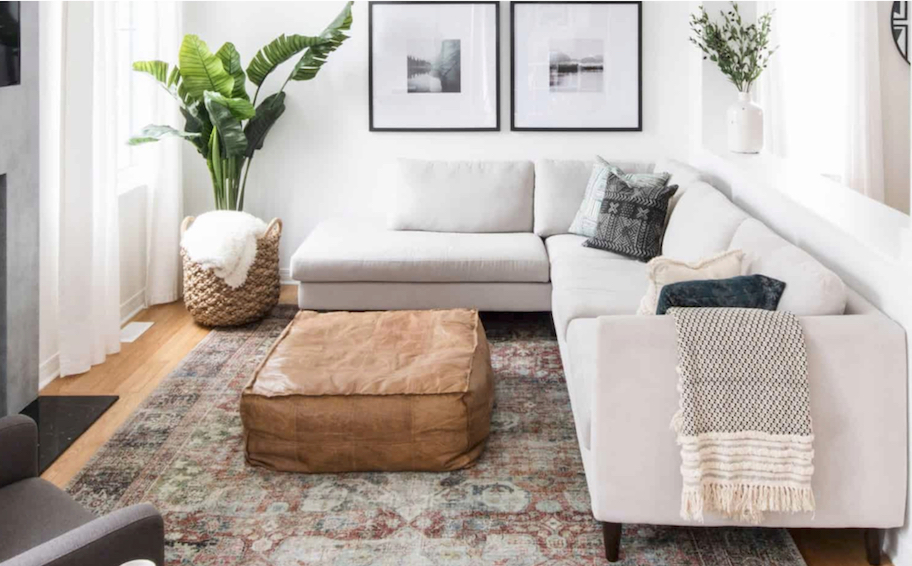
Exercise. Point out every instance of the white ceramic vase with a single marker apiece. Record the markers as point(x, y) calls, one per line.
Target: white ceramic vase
point(745, 125)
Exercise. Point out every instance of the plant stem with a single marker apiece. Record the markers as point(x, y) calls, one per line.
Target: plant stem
point(215, 190)
point(232, 182)
point(240, 200)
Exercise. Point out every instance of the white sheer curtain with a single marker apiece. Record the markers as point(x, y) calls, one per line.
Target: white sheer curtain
point(821, 93)
point(864, 159)
point(161, 168)
point(770, 90)
point(84, 139)
point(89, 262)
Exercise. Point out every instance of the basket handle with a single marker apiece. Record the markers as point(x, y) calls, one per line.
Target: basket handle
point(186, 224)
point(276, 224)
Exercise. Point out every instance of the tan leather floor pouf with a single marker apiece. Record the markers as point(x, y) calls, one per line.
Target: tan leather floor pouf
point(372, 391)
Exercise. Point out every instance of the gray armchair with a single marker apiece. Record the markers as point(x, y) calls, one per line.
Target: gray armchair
point(42, 525)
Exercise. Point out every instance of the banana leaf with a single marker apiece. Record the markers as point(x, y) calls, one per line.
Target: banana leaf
point(174, 77)
point(227, 124)
point(154, 132)
point(311, 62)
point(278, 51)
point(197, 121)
point(201, 70)
point(158, 69)
point(240, 108)
point(267, 113)
point(231, 61)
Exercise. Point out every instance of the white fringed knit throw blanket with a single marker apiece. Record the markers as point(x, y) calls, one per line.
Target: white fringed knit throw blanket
point(744, 425)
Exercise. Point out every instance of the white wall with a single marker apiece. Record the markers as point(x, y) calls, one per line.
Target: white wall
point(320, 160)
point(894, 96)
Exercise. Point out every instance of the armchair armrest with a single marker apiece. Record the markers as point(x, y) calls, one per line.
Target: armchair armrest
point(19, 447)
point(132, 533)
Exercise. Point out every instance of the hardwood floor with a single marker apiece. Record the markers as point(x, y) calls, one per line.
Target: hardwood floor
point(138, 369)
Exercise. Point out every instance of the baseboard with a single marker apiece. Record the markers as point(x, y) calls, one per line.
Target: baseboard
point(285, 277)
point(48, 371)
point(898, 546)
point(131, 306)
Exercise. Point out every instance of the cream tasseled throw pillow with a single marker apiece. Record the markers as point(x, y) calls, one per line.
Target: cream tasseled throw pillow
point(665, 271)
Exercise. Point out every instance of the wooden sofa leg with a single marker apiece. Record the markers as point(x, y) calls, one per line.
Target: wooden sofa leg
point(873, 543)
point(612, 534)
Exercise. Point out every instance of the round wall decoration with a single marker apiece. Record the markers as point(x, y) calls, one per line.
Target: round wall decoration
point(899, 21)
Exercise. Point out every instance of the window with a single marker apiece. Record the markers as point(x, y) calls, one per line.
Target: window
point(134, 91)
point(814, 75)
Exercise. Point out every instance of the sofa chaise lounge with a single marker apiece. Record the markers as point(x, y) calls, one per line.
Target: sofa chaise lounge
point(494, 236)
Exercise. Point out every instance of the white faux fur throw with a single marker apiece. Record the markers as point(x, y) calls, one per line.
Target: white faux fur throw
point(744, 425)
point(225, 242)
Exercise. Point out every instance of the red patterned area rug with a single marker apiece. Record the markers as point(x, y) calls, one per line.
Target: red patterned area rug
point(524, 503)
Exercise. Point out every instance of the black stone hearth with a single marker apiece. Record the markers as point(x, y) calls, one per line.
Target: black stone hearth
point(62, 419)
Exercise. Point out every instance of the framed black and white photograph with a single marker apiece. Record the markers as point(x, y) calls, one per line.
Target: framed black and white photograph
point(576, 66)
point(434, 66)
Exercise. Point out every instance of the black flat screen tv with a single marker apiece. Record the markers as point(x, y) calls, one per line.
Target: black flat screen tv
point(10, 44)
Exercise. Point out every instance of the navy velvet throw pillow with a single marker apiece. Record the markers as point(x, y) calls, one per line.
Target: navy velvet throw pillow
point(746, 291)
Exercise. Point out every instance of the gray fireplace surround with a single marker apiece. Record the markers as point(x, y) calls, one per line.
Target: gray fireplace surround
point(19, 223)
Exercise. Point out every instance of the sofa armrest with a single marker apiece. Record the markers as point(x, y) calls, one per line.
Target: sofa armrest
point(132, 533)
point(19, 448)
point(857, 373)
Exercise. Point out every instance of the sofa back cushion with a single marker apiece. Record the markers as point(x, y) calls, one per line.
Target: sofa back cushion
point(559, 188)
point(701, 224)
point(462, 196)
point(682, 175)
point(810, 288)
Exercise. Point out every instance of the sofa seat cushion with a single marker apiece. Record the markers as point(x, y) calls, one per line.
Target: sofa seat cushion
point(346, 251)
point(581, 346)
point(571, 246)
point(34, 512)
point(592, 288)
point(702, 224)
point(810, 288)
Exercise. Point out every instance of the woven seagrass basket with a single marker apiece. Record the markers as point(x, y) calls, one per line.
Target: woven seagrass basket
point(212, 302)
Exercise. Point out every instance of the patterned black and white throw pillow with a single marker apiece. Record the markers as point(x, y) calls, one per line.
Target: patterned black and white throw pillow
point(585, 223)
point(631, 220)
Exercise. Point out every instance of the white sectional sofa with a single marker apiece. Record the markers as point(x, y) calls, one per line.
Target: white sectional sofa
point(493, 235)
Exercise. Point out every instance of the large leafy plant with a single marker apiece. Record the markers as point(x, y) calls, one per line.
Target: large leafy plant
point(741, 51)
point(224, 124)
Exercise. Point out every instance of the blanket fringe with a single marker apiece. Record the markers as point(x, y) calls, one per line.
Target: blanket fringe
point(744, 502)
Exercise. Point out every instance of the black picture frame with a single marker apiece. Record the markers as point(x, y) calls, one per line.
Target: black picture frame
point(370, 64)
point(637, 128)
